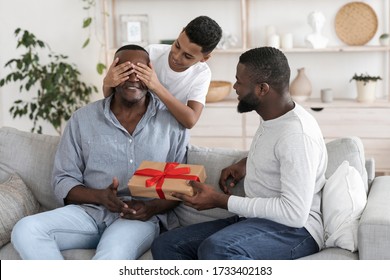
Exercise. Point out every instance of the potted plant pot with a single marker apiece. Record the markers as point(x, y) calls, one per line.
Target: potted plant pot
point(366, 87)
point(366, 91)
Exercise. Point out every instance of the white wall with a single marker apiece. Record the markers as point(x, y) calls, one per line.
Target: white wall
point(58, 22)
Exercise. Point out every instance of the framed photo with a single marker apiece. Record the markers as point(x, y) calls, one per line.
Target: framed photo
point(134, 29)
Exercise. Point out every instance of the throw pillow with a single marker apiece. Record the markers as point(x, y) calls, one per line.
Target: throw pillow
point(350, 149)
point(16, 202)
point(343, 200)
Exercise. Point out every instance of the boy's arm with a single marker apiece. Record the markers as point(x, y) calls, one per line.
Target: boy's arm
point(187, 115)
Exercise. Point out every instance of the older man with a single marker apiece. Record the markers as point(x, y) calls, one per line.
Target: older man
point(102, 146)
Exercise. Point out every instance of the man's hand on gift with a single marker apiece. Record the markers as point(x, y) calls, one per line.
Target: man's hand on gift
point(205, 197)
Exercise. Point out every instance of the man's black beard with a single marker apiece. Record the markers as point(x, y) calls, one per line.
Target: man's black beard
point(133, 103)
point(126, 103)
point(247, 104)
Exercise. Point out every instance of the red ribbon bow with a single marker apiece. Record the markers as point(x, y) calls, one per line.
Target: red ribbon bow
point(158, 176)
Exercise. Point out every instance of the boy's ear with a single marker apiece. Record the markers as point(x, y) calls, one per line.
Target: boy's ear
point(205, 57)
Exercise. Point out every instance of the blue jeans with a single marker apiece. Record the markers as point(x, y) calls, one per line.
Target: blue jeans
point(43, 236)
point(234, 239)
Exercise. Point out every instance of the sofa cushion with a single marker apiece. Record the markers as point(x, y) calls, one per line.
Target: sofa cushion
point(214, 160)
point(16, 202)
point(343, 201)
point(31, 156)
point(4, 176)
point(350, 149)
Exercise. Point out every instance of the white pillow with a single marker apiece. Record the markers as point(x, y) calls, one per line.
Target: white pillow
point(343, 200)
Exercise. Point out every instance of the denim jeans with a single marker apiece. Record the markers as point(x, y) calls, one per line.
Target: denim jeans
point(234, 238)
point(44, 235)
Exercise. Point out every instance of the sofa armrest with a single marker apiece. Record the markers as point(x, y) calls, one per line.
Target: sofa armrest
point(374, 225)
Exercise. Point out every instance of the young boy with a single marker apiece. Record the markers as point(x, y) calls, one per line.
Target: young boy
point(177, 74)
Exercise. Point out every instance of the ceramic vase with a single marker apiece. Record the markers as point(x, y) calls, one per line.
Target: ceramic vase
point(300, 87)
point(366, 91)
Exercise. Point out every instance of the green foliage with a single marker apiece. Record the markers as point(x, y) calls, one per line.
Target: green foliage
point(87, 22)
point(59, 90)
point(365, 78)
point(100, 68)
point(384, 36)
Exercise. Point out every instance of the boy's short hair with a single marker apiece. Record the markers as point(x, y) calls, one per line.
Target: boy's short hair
point(204, 32)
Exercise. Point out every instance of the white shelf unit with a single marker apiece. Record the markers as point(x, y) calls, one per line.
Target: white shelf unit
point(249, 18)
point(220, 124)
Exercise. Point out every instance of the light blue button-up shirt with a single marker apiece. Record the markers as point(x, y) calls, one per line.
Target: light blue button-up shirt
point(95, 147)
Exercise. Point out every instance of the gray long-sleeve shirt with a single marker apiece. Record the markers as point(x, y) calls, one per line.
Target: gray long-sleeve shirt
point(95, 147)
point(285, 173)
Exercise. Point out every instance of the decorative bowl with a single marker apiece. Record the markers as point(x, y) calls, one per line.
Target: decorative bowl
point(218, 90)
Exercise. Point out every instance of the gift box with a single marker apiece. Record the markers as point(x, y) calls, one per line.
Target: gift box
point(160, 179)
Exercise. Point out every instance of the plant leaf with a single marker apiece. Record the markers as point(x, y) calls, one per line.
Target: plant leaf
point(86, 43)
point(100, 68)
point(87, 22)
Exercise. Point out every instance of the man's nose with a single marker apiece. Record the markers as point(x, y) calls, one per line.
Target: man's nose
point(133, 77)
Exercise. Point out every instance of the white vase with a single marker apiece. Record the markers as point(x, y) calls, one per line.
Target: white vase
point(366, 91)
point(300, 87)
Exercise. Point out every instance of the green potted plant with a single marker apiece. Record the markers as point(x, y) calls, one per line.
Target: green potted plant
point(366, 86)
point(56, 86)
point(384, 39)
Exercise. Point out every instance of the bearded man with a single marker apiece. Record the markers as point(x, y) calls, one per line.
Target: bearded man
point(102, 146)
point(280, 215)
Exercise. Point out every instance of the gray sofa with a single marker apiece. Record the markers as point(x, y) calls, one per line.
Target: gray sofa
point(26, 164)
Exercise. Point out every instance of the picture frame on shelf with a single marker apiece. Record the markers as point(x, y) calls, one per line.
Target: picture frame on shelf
point(134, 30)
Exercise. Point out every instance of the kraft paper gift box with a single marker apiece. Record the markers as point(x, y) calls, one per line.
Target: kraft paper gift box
point(160, 179)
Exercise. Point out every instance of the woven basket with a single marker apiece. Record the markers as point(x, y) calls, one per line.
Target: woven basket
point(356, 23)
point(218, 90)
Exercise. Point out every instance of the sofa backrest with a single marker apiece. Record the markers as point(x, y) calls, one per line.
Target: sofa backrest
point(31, 156)
point(215, 159)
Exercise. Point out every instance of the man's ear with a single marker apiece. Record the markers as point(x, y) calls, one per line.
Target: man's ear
point(205, 58)
point(262, 89)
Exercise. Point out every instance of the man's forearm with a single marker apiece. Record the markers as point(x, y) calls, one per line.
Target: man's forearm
point(81, 194)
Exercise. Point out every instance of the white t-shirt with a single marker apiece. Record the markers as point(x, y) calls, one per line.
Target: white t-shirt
point(191, 84)
point(285, 173)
